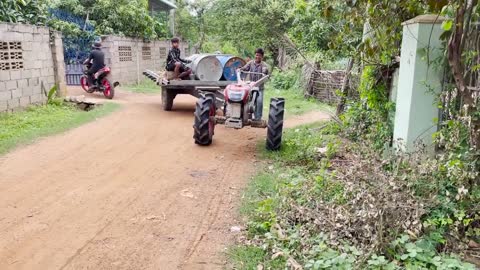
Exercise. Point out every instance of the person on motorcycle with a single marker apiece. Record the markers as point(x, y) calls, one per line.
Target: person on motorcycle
point(175, 63)
point(257, 66)
point(97, 61)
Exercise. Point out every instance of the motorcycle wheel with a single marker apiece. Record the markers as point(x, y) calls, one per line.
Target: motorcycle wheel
point(84, 84)
point(108, 90)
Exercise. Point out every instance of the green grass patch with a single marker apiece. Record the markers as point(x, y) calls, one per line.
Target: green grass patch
point(249, 257)
point(298, 145)
point(263, 185)
point(145, 87)
point(38, 121)
point(263, 195)
point(295, 102)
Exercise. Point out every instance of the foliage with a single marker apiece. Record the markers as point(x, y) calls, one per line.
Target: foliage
point(285, 80)
point(248, 257)
point(463, 59)
point(128, 18)
point(124, 17)
point(369, 119)
point(322, 25)
point(22, 11)
point(51, 94)
point(244, 22)
point(37, 121)
point(285, 84)
point(330, 204)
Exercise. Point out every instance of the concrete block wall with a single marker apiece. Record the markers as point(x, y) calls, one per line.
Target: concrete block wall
point(129, 57)
point(27, 65)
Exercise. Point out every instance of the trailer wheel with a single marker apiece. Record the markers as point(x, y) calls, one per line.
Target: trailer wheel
point(275, 124)
point(167, 99)
point(204, 124)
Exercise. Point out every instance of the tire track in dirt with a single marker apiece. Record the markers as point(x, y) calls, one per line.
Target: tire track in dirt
point(211, 215)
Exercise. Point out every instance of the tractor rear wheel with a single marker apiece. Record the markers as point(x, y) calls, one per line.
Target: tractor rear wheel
point(275, 124)
point(167, 99)
point(204, 124)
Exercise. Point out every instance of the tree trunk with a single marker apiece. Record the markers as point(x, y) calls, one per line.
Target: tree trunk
point(455, 51)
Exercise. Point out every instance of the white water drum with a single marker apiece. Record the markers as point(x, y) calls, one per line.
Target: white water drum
point(206, 67)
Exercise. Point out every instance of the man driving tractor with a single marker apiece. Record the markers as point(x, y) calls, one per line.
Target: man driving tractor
point(97, 61)
point(176, 64)
point(260, 67)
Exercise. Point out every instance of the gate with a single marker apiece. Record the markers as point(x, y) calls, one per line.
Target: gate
point(75, 47)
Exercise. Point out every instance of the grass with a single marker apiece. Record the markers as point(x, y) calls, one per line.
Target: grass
point(295, 102)
point(145, 87)
point(262, 196)
point(38, 121)
point(263, 185)
point(249, 257)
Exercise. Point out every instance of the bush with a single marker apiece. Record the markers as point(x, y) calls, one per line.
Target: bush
point(285, 80)
point(328, 203)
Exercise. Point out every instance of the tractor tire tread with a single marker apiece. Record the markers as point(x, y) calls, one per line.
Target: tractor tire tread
point(275, 124)
point(201, 133)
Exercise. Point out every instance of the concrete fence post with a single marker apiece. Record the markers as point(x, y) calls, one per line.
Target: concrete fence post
point(419, 83)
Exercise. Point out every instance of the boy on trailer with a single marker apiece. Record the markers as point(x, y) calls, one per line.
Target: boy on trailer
point(176, 64)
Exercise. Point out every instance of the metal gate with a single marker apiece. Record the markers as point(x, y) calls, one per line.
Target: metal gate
point(75, 47)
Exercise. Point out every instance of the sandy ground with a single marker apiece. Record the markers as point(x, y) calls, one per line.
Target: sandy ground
point(128, 191)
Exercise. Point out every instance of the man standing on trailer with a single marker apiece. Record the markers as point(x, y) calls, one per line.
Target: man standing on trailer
point(177, 64)
point(260, 67)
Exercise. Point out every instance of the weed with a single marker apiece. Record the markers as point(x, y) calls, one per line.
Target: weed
point(326, 203)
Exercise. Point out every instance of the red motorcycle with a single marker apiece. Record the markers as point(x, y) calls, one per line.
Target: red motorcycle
point(103, 84)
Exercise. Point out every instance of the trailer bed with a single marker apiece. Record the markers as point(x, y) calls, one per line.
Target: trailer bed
point(187, 87)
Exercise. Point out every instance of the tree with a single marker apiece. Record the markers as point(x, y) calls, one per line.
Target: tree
point(22, 11)
point(457, 56)
point(193, 22)
point(120, 17)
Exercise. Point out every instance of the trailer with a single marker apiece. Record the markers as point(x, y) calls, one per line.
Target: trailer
point(172, 88)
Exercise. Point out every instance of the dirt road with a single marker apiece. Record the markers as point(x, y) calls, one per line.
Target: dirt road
point(128, 191)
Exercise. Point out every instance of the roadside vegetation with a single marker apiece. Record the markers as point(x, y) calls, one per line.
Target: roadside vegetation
point(24, 127)
point(336, 196)
point(288, 85)
point(326, 201)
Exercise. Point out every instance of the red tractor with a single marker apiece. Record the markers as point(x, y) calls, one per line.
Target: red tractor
point(238, 111)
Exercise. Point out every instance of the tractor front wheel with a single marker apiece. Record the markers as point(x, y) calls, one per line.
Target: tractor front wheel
point(275, 124)
point(204, 124)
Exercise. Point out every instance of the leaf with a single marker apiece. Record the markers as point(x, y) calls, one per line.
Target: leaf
point(51, 93)
point(447, 25)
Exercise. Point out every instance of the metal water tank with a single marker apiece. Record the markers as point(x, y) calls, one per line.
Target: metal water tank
point(230, 65)
point(206, 67)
